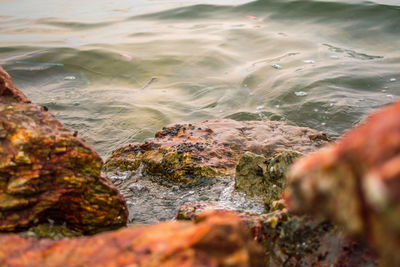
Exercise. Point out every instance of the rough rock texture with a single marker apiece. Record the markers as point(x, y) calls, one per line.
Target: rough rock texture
point(8, 91)
point(215, 239)
point(211, 148)
point(356, 182)
point(47, 172)
point(48, 230)
point(290, 240)
point(264, 177)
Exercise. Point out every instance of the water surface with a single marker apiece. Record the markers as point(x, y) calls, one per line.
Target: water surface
point(127, 68)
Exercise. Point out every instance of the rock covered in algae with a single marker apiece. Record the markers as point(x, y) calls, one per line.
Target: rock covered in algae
point(49, 230)
point(214, 239)
point(264, 177)
point(47, 172)
point(211, 148)
point(356, 183)
point(290, 240)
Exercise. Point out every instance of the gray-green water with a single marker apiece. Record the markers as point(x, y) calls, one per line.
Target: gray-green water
point(131, 67)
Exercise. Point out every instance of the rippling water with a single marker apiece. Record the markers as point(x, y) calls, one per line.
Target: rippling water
point(124, 69)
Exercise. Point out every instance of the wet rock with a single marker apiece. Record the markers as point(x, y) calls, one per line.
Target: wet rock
point(356, 183)
point(49, 230)
point(9, 93)
point(290, 240)
point(264, 177)
point(214, 239)
point(183, 152)
point(48, 173)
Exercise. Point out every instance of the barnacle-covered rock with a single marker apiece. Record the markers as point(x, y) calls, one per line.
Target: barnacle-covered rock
point(290, 240)
point(264, 177)
point(211, 148)
point(356, 183)
point(47, 172)
point(214, 239)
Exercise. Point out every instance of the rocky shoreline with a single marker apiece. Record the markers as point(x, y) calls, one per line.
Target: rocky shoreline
point(219, 182)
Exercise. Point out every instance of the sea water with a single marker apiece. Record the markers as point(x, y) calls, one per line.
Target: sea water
point(117, 71)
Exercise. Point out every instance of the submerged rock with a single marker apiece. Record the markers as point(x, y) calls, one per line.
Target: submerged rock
point(183, 152)
point(356, 183)
point(48, 172)
point(214, 239)
point(290, 240)
point(264, 177)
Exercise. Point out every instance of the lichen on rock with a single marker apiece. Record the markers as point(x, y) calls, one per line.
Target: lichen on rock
point(184, 152)
point(264, 177)
point(290, 240)
point(47, 172)
point(51, 231)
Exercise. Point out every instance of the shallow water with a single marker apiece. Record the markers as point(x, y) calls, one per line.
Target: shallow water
point(125, 70)
point(152, 199)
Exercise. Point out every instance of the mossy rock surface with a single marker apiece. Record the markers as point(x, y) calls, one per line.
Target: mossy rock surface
point(290, 240)
point(184, 152)
point(264, 177)
point(48, 172)
point(51, 231)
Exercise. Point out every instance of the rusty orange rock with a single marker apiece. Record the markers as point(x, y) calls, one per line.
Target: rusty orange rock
point(215, 239)
point(8, 91)
point(47, 172)
point(293, 240)
point(356, 182)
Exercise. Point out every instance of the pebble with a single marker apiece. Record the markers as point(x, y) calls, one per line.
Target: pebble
point(300, 93)
point(276, 66)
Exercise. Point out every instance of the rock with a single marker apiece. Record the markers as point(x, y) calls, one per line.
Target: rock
point(356, 183)
point(49, 173)
point(9, 93)
point(290, 240)
point(49, 230)
point(214, 239)
point(264, 177)
point(183, 152)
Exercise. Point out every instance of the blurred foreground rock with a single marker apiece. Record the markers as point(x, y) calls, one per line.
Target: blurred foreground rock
point(48, 173)
point(214, 239)
point(183, 152)
point(356, 183)
point(290, 240)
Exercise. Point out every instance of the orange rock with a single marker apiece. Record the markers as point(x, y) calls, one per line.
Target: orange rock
point(8, 91)
point(47, 172)
point(215, 239)
point(293, 240)
point(356, 182)
point(183, 152)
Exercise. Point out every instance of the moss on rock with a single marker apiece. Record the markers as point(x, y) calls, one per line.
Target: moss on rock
point(264, 177)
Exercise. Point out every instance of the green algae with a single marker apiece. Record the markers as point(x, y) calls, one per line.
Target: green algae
point(51, 231)
point(264, 177)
